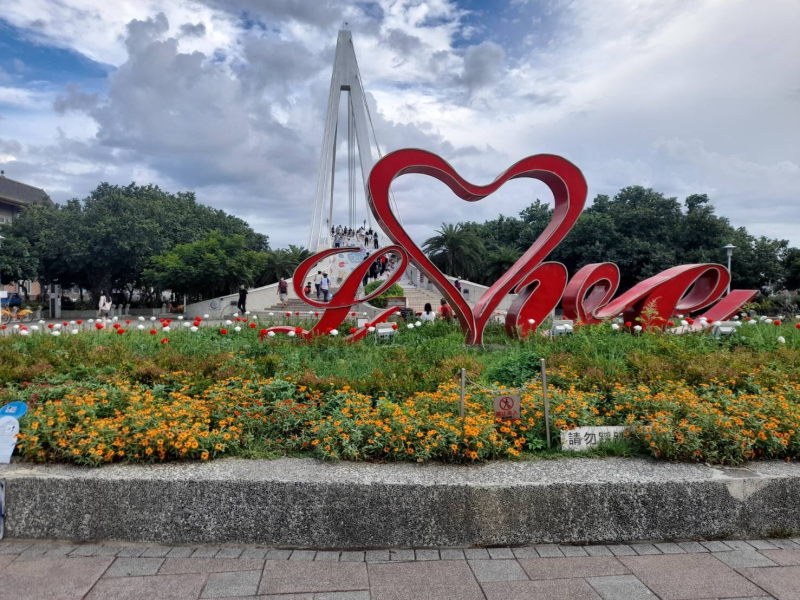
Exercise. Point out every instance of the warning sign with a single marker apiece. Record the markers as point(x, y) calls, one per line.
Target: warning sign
point(506, 407)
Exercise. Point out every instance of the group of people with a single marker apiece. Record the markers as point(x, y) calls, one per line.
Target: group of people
point(445, 312)
point(378, 267)
point(344, 237)
point(322, 286)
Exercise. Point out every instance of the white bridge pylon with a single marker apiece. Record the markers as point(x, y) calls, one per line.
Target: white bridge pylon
point(345, 78)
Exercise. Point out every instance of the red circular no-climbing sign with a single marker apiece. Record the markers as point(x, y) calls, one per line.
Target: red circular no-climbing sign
point(506, 403)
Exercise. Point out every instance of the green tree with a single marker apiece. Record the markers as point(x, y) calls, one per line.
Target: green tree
point(215, 265)
point(455, 249)
point(17, 262)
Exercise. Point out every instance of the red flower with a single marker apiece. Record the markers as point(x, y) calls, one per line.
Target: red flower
point(252, 325)
point(797, 326)
point(776, 322)
point(116, 326)
point(223, 332)
point(670, 323)
point(298, 330)
point(628, 324)
point(238, 319)
point(263, 332)
point(127, 321)
point(394, 325)
point(65, 323)
point(316, 314)
point(165, 341)
point(690, 320)
point(419, 314)
point(747, 318)
point(3, 327)
point(197, 319)
point(352, 314)
point(353, 329)
point(153, 332)
point(120, 331)
point(367, 325)
point(50, 326)
point(98, 325)
point(297, 313)
point(288, 314)
point(80, 322)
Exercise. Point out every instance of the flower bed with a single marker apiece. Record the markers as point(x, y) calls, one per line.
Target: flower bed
point(103, 397)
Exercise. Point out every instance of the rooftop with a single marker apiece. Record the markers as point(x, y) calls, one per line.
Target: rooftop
point(17, 192)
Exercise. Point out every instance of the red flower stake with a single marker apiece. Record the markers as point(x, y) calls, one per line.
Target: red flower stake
point(776, 322)
point(223, 332)
point(98, 326)
point(120, 331)
point(153, 332)
point(252, 325)
point(80, 322)
point(50, 326)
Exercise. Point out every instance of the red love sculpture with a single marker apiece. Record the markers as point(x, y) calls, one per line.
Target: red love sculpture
point(569, 190)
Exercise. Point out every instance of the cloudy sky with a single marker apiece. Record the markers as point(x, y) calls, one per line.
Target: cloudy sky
point(227, 98)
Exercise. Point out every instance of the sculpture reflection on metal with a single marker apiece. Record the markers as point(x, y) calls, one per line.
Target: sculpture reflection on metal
point(540, 286)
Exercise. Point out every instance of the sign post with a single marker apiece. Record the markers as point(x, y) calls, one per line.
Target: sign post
point(507, 407)
point(546, 402)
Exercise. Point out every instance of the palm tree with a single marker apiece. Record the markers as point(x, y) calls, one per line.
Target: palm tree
point(298, 254)
point(498, 262)
point(279, 264)
point(455, 249)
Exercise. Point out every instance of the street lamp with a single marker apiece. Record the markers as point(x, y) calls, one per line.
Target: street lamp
point(729, 248)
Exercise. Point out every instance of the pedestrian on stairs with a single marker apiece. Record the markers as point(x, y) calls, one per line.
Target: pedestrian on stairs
point(375, 237)
point(317, 279)
point(283, 291)
point(325, 286)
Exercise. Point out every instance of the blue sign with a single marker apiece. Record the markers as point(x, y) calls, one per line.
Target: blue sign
point(15, 409)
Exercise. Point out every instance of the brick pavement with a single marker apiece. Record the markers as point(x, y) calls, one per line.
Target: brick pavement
point(691, 570)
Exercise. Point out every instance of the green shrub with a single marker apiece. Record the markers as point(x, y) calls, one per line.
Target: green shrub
point(380, 301)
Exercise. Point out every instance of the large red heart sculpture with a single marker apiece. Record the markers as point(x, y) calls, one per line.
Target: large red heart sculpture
point(564, 179)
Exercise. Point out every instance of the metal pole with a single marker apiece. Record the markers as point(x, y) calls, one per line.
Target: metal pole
point(546, 402)
point(729, 271)
point(463, 384)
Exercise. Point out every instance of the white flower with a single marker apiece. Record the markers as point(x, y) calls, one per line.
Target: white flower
point(797, 317)
point(684, 322)
point(334, 332)
point(762, 318)
point(74, 331)
point(290, 334)
point(90, 321)
point(271, 314)
point(41, 322)
point(680, 316)
point(115, 319)
point(140, 327)
point(236, 314)
point(744, 314)
point(192, 328)
point(180, 318)
point(365, 314)
point(56, 333)
point(237, 329)
point(152, 318)
point(742, 337)
point(165, 329)
point(418, 324)
point(371, 329)
point(410, 326)
point(737, 323)
point(205, 316)
point(24, 332)
point(187, 324)
point(255, 317)
point(247, 312)
point(781, 339)
point(531, 321)
point(271, 334)
point(57, 325)
point(703, 319)
point(35, 327)
point(736, 318)
point(752, 322)
point(141, 318)
point(311, 312)
point(16, 327)
point(614, 326)
point(717, 323)
point(637, 327)
point(228, 322)
point(768, 321)
point(72, 322)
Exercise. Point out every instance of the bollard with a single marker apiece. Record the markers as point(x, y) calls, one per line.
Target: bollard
point(546, 402)
point(463, 384)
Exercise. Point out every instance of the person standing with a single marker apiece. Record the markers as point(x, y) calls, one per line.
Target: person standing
point(375, 237)
point(458, 285)
point(242, 304)
point(317, 279)
point(325, 286)
point(283, 291)
point(104, 306)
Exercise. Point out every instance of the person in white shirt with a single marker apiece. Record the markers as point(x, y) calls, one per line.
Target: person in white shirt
point(325, 286)
point(427, 315)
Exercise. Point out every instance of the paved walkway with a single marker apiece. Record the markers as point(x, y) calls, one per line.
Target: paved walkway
point(670, 571)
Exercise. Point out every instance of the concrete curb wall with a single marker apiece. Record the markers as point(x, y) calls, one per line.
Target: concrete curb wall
point(302, 502)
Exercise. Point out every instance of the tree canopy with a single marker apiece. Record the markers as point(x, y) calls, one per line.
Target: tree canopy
point(639, 229)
